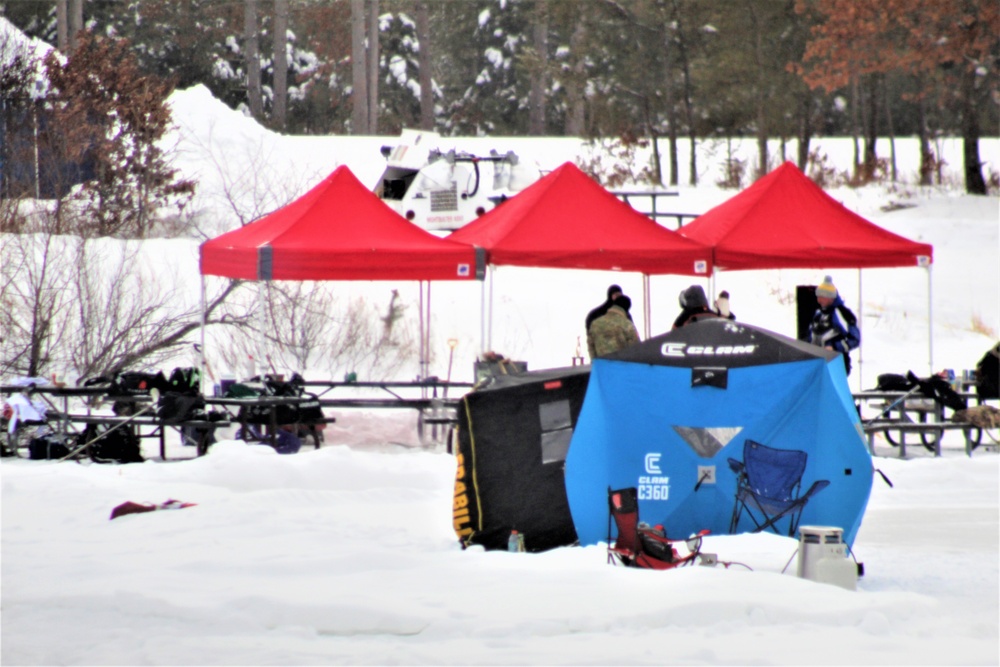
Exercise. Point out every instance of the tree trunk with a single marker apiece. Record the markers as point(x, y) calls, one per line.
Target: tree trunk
point(856, 125)
point(805, 130)
point(75, 22)
point(423, 21)
point(251, 57)
point(373, 66)
point(62, 29)
point(359, 80)
point(688, 106)
point(926, 157)
point(871, 128)
point(758, 56)
point(536, 97)
point(668, 99)
point(575, 114)
point(280, 63)
point(974, 182)
point(889, 127)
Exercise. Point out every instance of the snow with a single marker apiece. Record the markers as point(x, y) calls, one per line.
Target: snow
point(345, 554)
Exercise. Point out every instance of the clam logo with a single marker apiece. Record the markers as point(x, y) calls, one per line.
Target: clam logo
point(653, 463)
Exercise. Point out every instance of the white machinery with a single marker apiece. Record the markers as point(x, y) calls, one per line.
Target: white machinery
point(441, 191)
point(823, 557)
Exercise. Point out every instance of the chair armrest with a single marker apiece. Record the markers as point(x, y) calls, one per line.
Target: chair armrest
point(816, 487)
point(736, 466)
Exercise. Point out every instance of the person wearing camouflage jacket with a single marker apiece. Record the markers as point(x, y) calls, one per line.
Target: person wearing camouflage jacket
point(613, 330)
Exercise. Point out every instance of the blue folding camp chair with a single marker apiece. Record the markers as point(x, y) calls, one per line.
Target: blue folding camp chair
point(768, 484)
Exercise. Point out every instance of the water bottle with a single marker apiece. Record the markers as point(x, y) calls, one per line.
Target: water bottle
point(515, 542)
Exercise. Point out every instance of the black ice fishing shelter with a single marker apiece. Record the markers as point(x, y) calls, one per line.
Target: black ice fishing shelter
point(513, 437)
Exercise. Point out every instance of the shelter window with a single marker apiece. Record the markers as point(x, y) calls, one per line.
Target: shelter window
point(557, 429)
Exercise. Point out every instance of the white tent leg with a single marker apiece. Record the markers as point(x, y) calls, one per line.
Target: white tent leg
point(425, 329)
point(930, 322)
point(482, 312)
point(861, 305)
point(489, 338)
point(646, 308)
point(201, 368)
point(259, 366)
point(427, 338)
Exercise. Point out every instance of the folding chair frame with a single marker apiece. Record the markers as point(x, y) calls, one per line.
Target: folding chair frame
point(781, 503)
point(636, 546)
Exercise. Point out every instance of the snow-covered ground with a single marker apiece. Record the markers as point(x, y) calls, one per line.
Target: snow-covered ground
point(345, 555)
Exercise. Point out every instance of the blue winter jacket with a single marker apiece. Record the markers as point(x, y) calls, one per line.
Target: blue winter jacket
point(827, 330)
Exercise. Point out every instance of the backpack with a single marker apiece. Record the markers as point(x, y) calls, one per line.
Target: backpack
point(136, 382)
point(184, 381)
point(115, 446)
point(894, 382)
point(940, 390)
point(52, 446)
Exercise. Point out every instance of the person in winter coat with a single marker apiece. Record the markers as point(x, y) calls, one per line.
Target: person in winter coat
point(694, 307)
point(614, 292)
point(827, 330)
point(613, 330)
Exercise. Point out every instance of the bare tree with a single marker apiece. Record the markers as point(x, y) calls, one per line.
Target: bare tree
point(35, 295)
point(309, 329)
point(303, 311)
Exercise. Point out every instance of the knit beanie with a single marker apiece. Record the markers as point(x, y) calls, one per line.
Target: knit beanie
point(623, 302)
point(827, 289)
point(613, 290)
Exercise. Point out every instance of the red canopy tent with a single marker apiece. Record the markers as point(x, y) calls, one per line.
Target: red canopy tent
point(786, 221)
point(567, 220)
point(340, 230)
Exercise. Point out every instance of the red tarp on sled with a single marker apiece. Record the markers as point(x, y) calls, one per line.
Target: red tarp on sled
point(339, 230)
point(567, 220)
point(785, 221)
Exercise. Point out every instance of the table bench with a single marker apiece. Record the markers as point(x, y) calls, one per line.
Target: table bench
point(930, 423)
point(935, 429)
point(158, 425)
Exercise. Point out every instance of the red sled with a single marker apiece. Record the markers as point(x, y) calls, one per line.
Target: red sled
point(129, 507)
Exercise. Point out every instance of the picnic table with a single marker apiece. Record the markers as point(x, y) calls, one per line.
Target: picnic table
point(246, 412)
point(911, 413)
point(258, 416)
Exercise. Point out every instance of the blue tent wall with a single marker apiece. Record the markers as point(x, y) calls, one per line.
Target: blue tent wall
point(632, 408)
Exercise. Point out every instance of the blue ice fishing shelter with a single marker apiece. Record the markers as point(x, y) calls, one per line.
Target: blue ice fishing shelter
point(665, 416)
